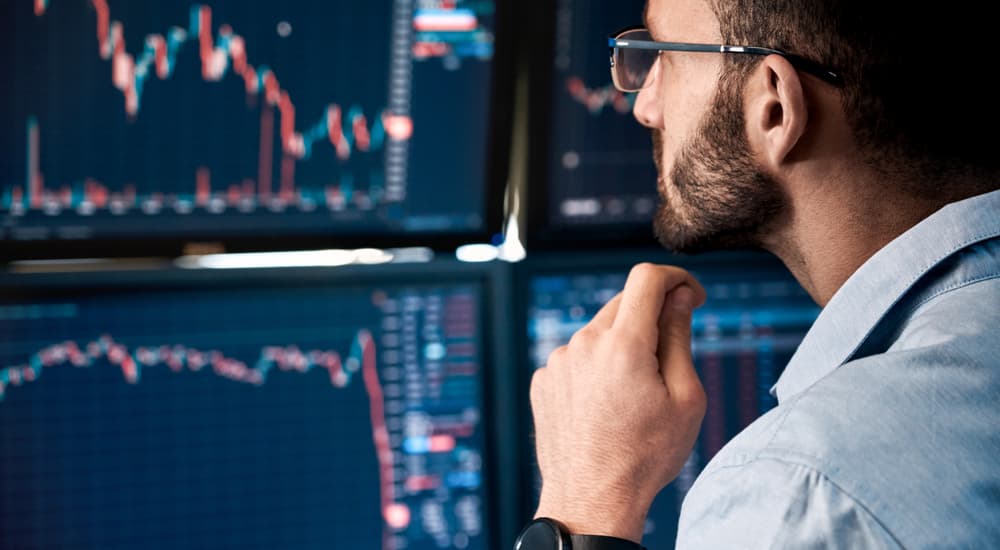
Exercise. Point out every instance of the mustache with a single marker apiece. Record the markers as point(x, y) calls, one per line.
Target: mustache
point(657, 149)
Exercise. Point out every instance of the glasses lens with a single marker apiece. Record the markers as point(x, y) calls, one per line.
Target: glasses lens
point(631, 65)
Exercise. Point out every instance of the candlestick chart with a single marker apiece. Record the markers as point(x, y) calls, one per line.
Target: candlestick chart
point(291, 417)
point(234, 118)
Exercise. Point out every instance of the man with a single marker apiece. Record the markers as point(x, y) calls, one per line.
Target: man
point(834, 139)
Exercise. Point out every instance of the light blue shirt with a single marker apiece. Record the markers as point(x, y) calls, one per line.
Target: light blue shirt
point(887, 431)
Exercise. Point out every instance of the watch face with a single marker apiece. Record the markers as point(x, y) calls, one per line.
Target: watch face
point(540, 535)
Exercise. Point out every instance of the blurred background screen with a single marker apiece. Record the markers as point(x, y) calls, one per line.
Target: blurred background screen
point(244, 120)
point(291, 411)
point(597, 180)
point(752, 322)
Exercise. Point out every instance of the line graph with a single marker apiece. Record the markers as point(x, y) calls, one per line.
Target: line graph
point(178, 358)
point(598, 100)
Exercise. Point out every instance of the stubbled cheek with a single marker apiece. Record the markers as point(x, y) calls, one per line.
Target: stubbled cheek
point(673, 199)
point(664, 154)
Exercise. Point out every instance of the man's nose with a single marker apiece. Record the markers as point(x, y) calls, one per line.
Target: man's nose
point(647, 108)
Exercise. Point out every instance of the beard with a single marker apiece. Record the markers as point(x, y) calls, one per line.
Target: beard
point(716, 197)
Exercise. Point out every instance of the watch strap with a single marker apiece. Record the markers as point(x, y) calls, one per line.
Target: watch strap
point(600, 542)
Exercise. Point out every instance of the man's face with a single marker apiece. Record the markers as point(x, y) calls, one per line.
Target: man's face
point(713, 193)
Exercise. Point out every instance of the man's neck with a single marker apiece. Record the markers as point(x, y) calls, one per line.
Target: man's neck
point(827, 240)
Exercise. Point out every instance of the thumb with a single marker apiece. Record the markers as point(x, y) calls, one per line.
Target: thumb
point(676, 365)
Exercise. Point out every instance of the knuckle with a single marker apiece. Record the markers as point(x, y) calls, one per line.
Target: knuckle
point(692, 399)
point(647, 271)
point(676, 271)
point(643, 270)
point(582, 338)
point(555, 358)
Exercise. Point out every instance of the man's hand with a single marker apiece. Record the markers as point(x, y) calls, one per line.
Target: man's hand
point(617, 411)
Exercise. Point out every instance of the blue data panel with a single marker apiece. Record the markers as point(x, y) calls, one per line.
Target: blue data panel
point(237, 118)
point(742, 338)
point(274, 416)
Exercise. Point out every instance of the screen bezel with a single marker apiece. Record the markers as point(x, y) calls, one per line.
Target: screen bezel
point(494, 182)
point(499, 425)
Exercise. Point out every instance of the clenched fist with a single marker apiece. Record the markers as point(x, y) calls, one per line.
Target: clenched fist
point(617, 410)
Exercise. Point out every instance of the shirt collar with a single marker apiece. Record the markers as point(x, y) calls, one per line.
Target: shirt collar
point(858, 306)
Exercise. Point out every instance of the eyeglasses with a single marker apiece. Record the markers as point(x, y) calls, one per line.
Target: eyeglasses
point(633, 53)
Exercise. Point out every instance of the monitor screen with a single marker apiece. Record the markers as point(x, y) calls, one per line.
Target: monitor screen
point(284, 411)
point(244, 121)
point(755, 316)
point(599, 169)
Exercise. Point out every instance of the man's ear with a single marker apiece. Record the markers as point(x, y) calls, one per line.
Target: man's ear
point(776, 110)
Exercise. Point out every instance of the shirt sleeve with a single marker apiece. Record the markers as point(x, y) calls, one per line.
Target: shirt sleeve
point(769, 503)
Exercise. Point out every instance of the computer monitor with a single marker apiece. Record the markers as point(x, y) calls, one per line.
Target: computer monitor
point(592, 176)
point(755, 316)
point(141, 127)
point(271, 409)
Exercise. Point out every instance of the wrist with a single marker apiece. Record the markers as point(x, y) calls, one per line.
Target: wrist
point(611, 518)
point(550, 534)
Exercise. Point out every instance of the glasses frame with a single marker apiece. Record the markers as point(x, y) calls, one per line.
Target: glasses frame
point(616, 42)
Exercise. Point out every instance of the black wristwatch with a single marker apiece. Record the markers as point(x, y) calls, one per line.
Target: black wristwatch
point(549, 534)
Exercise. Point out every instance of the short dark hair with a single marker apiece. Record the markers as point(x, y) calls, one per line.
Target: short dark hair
point(916, 77)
